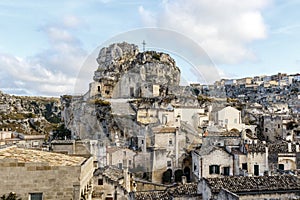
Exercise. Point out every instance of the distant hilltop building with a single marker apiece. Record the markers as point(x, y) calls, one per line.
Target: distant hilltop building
point(124, 72)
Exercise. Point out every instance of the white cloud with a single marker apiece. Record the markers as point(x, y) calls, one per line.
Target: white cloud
point(53, 71)
point(35, 79)
point(72, 21)
point(147, 17)
point(222, 28)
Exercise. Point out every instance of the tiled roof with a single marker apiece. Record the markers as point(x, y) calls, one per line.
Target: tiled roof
point(240, 184)
point(36, 156)
point(113, 173)
point(256, 148)
point(281, 147)
point(162, 195)
point(187, 190)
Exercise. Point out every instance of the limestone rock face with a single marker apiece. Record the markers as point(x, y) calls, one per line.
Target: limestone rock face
point(123, 71)
point(111, 56)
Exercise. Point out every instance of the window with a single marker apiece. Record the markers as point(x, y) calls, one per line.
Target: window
point(244, 166)
point(195, 167)
point(169, 164)
point(36, 196)
point(170, 141)
point(266, 129)
point(142, 141)
point(99, 89)
point(278, 125)
point(129, 162)
point(124, 153)
point(214, 169)
point(256, 170)
point(226, 171)
point(100, 181)
point(281, 166)
point(131, 92)
point(120, 165)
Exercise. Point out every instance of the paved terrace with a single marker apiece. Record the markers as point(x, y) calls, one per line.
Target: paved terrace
point(36, 156)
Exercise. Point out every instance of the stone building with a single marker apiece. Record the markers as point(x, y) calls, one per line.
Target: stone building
point(112, 183)
point(211, 161)
point(117, 156)
point(257, 159)
point(167, 151)
point(250, 188)
point(34, 174)
point(272, 127)
point(284, 156)
point(228, 117)
point(81, 147)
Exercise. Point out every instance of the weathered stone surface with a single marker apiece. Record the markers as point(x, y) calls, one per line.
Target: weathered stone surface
point(122, 67)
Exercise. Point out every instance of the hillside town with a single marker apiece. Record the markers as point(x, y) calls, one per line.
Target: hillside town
point(138, 134)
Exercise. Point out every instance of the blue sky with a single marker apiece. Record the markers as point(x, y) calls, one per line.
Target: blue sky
point(44, 44)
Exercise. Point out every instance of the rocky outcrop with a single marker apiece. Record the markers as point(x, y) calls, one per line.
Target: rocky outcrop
point(125, 81)
point(124, 72)
point(29, 115)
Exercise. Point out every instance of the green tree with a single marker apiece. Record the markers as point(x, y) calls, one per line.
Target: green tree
point(61, 132)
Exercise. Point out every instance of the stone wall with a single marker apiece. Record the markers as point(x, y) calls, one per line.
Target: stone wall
point(218, 157)
point(55, 182)
point(259, 159)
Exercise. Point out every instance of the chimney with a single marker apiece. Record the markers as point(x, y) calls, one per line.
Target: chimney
point(289, 147)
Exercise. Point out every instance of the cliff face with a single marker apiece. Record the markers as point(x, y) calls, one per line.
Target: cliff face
point(125, 76)
point(123, 73)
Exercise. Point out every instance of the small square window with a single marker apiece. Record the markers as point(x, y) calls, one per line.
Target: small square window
point(100, 181)
point(214, 169)
point(36, 196)
point(169, 164)
point(170, 142)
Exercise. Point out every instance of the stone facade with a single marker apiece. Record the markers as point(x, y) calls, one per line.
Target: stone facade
point(212, 161)
point(120, 157)
point(228, 117)
point(55, 176)
point(167, 149)
point(257, 159)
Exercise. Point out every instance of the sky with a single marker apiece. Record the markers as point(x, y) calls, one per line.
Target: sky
point(45, 46)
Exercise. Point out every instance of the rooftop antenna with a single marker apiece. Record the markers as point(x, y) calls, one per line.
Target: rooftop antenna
point(144, 44)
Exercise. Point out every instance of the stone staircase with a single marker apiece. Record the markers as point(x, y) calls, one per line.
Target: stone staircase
point(121, 107)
